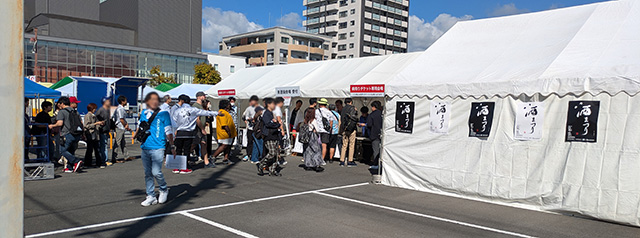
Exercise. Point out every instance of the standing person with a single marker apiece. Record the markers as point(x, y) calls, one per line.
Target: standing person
point(92, 128)
point(69, 120)
point(104, 116)
point(323, 116)
point(258, 143)
point(277, 113)
point(234, 115)
point(374, 124)
point(313, 148)
point(339, 106)
point(43, 138)
point(335, 131)
point(119, 152)
point(166, 105)
point(363, 121)
point(160, 132)
point(271, 136)
point(201, 132)
point(348, 128)
point(225, 132)
point(293, 119)
point(185, 118)
point(247, 116)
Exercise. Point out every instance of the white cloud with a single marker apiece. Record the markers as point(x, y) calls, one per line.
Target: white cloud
point(292, 21)
point(422, 34)
point(217, 24)
point(507, 9)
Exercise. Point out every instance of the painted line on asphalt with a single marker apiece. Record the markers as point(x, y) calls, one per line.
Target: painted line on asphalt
point(49, 233)
point(218, 225)
point(424, 215)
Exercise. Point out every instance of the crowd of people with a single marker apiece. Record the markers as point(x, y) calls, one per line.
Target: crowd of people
point(184, 129)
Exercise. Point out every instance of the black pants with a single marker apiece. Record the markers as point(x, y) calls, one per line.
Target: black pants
point(183, 146)
point(249, 142)
point(375, 145)
point(92, 148)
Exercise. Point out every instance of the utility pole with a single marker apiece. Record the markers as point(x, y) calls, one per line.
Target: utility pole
point(12, 139)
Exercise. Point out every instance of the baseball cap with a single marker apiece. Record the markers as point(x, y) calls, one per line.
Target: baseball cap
point(259, 109)
point(74, 100)
point(323, 101)
point(200, 94)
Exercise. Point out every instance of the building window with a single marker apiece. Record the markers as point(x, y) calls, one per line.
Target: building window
point(325, 47)
point(352, 34)
point(353, 1)
point(285, 40)
point(353, 11)
point(351, 45)
point(215, 66)
point(342, 36)
point(342, 25)
point(350, 56)
point(343, 3)
point(232, 69)
point(353, 22)
point(375, 50)
point(342, 47)
point(221, 47)
point(344, 14)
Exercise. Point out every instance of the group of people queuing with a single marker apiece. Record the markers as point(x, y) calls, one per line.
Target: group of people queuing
point(59, 128)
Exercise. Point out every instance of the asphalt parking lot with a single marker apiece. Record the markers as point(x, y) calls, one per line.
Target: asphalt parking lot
point(232, 201)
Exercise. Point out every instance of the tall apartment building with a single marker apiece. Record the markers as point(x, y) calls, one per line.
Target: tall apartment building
point(360, 27)
point(277, 45)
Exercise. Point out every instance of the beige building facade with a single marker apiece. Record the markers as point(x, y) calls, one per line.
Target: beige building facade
point(277, 45)
point(360, 27)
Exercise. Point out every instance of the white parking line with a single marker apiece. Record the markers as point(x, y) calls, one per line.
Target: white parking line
point(218, 225)
point(424, 215)
point(189, 210)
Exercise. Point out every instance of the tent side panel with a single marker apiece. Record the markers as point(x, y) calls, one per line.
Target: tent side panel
point(593, 179)
point(90, 92)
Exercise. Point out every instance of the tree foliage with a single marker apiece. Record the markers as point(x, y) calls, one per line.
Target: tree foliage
point(206, 74)
point(158, 77)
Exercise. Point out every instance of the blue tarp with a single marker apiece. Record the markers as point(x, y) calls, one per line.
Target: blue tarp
point(89, 90)
point(128, 86)
point(35, 90)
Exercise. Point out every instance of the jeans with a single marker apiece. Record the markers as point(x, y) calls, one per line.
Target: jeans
point(43, 153)
point(152, 163)
point(69, 148)
point(375, 145)
point(258, 149)
point(102, 147)
point(119, 144)
point(348, 142)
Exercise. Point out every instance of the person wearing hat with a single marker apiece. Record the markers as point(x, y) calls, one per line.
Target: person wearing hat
point(323, 116)
point(70, 123)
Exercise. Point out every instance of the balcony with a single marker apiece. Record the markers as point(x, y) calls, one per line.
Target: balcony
point(296, 60)
point(248, 48)
point(304, 48)
point(258, 61)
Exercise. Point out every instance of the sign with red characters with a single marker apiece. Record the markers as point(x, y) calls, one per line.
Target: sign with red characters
point(226, 92)
point(367, 90)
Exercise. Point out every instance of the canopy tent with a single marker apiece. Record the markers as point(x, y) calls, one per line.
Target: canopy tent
point(143, 91)
point(163, 87)
point(63, 82)
point(573, 63)
point(93, 89)
point(35, 90)
point(189, 90)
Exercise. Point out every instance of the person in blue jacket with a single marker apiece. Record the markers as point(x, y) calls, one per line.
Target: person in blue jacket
point(160, 132)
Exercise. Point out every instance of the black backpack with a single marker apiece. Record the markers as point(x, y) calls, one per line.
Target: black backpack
point(257, 127)
point(143, 128)
point(75, 123)
point(304, 134)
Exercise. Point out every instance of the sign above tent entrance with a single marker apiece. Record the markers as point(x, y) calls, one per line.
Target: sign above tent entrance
point(226, 92)
point(367, 90)
point(293, 91)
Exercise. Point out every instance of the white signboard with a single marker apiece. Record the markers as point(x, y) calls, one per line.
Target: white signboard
point(529, 120)
point(439, 119)
point(179, 162)
point(32, 78)
point(288, 91)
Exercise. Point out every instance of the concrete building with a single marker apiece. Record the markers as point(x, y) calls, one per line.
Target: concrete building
point(277, 45)
point(112, 38)
point(226, 65)
point(360, 27)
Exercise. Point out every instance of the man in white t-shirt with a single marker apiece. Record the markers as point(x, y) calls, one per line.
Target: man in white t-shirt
point(277, 113)
point(324, 134)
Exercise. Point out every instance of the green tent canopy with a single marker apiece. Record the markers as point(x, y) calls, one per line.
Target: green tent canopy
point(167, 86)
point(64, 81)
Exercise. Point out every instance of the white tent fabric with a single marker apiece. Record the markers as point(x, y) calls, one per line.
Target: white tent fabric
point(189, 90)
point(562, 51)
point(69, 90)
point(148, 90)
point(589, 52)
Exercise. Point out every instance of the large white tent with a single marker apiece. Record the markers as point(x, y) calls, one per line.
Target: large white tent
point(589, 53)
point(188, 89)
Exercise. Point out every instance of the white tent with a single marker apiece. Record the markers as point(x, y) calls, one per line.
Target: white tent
point(189, 90)
point(588, 53)
point(148, 90)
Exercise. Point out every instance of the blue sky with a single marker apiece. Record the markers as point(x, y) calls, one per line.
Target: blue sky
point(429, 18)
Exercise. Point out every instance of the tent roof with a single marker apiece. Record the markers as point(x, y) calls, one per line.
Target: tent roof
point(167, 86)
point(35, 90)
point(592, 48)
point(63, 82)
point(188, 89)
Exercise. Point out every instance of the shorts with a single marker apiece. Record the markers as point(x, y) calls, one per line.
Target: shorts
point(228, 141)
point(333, 141)
point(324, 138)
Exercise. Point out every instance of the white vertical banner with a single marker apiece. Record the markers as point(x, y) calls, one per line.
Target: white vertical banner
point(529, 121)
point(439, 117)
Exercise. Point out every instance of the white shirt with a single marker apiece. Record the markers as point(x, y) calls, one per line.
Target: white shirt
point(277, 112)
point(165, 107)
point(248, 115)
point(323, 112)
point(185, 117)
point(120, 113)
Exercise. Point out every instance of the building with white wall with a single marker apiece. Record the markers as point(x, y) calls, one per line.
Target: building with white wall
point(226, 65)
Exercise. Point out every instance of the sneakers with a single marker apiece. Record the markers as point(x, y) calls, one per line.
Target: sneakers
point(245, 159)
point(255, 162)
point(374, 167)
point(77, 166)
point(151, 200)
point(66, 170)
point(210, 165)
point(176, 171)
point(227, 162)
point(352, 164)
point(163, 196)
point(341, 163)
point(102, 166)
point(109, 164)
point(282, 162)
point(186, 171)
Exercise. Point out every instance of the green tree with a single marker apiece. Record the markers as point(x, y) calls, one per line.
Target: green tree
point(158, 77)
point(206, 74)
